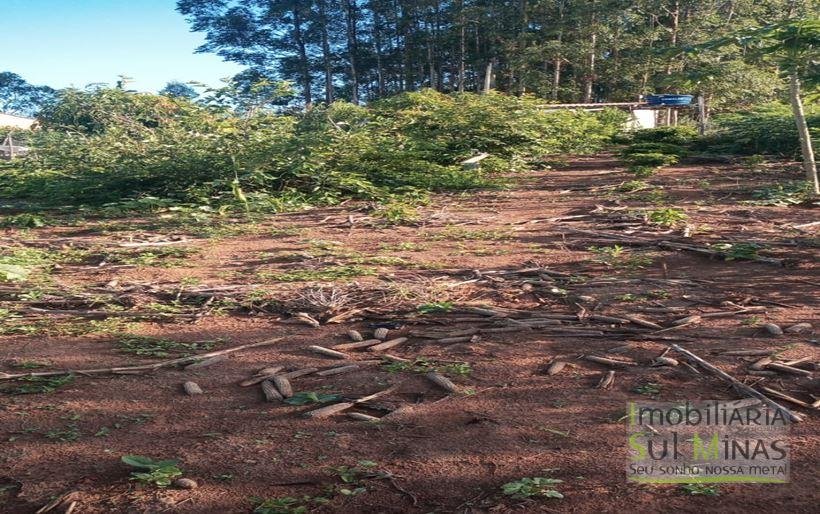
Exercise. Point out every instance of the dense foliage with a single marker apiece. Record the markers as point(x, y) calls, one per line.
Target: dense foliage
point(108, 144)
point(767, 129)
point(568, 50)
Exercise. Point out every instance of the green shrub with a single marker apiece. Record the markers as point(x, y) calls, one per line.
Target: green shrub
point(642, 171)
point(651, 159)
point(767, 129)
point(664, 148)
point(679, 135)
point(109, 145)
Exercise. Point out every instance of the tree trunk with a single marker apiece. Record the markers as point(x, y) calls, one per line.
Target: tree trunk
point(462, 46)
point(377, 47)
point(350, 11)
point(593, 40)
point(809, 164)
point(489, 76)
point(590, 78)
point(326, 55)
point(304, 64)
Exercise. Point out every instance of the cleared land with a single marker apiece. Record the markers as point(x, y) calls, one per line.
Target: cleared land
point(574, 247)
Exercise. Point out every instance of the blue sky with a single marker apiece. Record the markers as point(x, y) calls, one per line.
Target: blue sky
point(64, 43)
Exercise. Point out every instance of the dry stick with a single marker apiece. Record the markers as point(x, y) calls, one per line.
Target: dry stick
point(747, 353)
point(786, 397)
point(328, 352)
point(358, 416)
point(788, 369)
point(145, 367)
point(609, 362)
point(299, 373)
point(104, 314)
point(738, 385)
point(339, 407)
point(337, 371)
point(356, 345)
point(642, 322)
point(205, 362)
point(726, 314)
point(797, 361)
point(607, 380)
point(759, 364)
point(387, 344)
point(261, 376)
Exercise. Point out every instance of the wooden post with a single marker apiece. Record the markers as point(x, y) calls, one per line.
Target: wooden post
point(11, 146)
point(701, 115)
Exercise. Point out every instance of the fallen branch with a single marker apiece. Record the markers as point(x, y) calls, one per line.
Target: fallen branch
point(737, 384)
point(145, 367)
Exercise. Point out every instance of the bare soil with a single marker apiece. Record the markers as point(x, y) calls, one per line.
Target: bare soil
point(443, 453)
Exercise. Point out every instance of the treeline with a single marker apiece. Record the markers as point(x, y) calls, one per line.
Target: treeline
point(566, 50)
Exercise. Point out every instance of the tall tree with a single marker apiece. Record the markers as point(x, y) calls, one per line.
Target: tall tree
point(19, 97)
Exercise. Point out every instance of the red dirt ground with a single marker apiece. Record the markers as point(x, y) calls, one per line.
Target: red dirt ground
point(445, 453)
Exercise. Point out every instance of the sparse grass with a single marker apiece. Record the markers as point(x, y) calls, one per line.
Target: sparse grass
point(701, 489)
point(381, 260)
point(435, 307)
point(405, 246)
point(421, 365)
point(24, 220)
point(39, 385)
point(166, 257)
point(329, 274)
point(751, 321)
point(648, 389)
point(633, 186)
point(464, 234)
point(398, 213)
point(145, 346)
point(782, 195)
point(287, 504)
point(68, 433)
point(737, 251)
point(619, 257)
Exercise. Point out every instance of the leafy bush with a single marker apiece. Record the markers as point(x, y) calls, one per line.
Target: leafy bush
point(641, 171)
point(110, 145)
point(766, 129)
point(651, 159)
point(664, 148)
point(679, 135)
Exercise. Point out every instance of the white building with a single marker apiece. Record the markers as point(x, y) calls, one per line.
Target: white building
point(20, 122)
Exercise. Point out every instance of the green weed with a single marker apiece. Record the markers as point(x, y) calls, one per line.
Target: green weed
point(700, 489)
point(667, 217)
point(526, 488)
point(145, 346)
point(159, 473)
point(329, 274)
point(40, 385)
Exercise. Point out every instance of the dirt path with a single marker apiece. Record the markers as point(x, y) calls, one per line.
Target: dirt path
point(594, 254)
